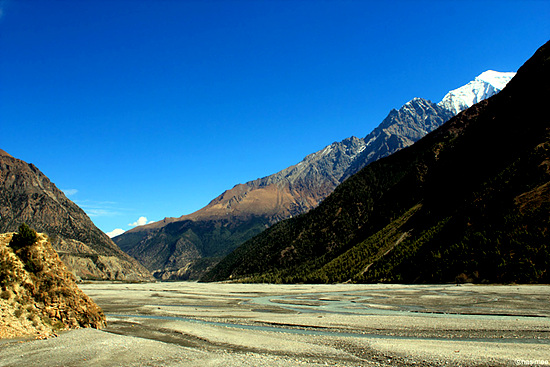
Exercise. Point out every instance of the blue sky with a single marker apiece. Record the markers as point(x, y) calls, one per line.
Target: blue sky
point(150, 109)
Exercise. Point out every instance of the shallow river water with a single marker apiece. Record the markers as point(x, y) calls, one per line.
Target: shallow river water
point(293, 325)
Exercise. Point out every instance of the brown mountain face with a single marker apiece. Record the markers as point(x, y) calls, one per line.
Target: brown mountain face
point(3, 153)
point(28, 196)
point(181, 248)
point(287, 193)
point(38, 295)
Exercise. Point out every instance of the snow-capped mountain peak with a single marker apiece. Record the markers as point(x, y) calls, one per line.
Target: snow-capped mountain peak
point(496, 78)
point(483, 86)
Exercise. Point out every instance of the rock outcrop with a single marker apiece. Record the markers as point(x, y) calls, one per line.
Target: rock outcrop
point(28, 196)
point(38, 295)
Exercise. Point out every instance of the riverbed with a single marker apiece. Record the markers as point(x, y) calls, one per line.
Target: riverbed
point(225, 324)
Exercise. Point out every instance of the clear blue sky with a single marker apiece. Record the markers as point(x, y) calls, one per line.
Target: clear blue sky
point(153, 108)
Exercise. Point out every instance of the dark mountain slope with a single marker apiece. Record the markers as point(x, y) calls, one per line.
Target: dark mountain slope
point(28, 196)
point(179, 248)
point(469, 201)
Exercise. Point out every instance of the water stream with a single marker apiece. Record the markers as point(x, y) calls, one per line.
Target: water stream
point(318, 331)
point(357, 303)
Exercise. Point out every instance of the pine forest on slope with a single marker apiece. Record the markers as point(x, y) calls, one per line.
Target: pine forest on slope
point(468, 202)
point(182, 248)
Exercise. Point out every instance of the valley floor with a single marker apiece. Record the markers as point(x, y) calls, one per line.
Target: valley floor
point(189, 324)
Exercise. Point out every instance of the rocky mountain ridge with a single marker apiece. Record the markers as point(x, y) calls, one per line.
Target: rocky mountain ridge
point(28, 196)
point(166, 247)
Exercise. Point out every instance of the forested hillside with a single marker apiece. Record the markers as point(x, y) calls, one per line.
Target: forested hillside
point(469, 202)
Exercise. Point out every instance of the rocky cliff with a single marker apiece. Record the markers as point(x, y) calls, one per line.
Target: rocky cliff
point(400, 129)
point(38, 295)
point(28, 196)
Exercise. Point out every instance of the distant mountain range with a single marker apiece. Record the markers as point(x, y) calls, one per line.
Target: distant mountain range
point(182, 248)
point(469, 202)
point(28, 196)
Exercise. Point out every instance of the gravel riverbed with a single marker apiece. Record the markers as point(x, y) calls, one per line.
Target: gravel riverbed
point(189, 324)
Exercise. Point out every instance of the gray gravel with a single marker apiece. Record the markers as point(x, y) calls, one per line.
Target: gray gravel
point(190, 324)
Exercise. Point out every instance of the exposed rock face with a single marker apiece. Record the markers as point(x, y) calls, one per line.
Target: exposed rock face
point(167, 246)
point(28, 196)
point(38, 295)
point(400, 129)
point(290, 192)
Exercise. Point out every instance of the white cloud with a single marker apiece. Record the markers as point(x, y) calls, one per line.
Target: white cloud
point(115, 232)
point(70, 192)
point(98, 212)
point(141, 221)
point(99, 208)
point(2, 6)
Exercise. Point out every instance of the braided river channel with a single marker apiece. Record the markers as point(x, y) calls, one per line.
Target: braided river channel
point(226, 324)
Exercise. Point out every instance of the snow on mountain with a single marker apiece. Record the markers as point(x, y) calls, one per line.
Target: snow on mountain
point(497, 79)
point(483, 86)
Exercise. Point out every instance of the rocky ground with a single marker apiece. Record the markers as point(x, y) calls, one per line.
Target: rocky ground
point(188, 324)
point(38, 295)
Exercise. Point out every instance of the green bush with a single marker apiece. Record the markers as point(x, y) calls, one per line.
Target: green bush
point(18, 312)
point(24, 238)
